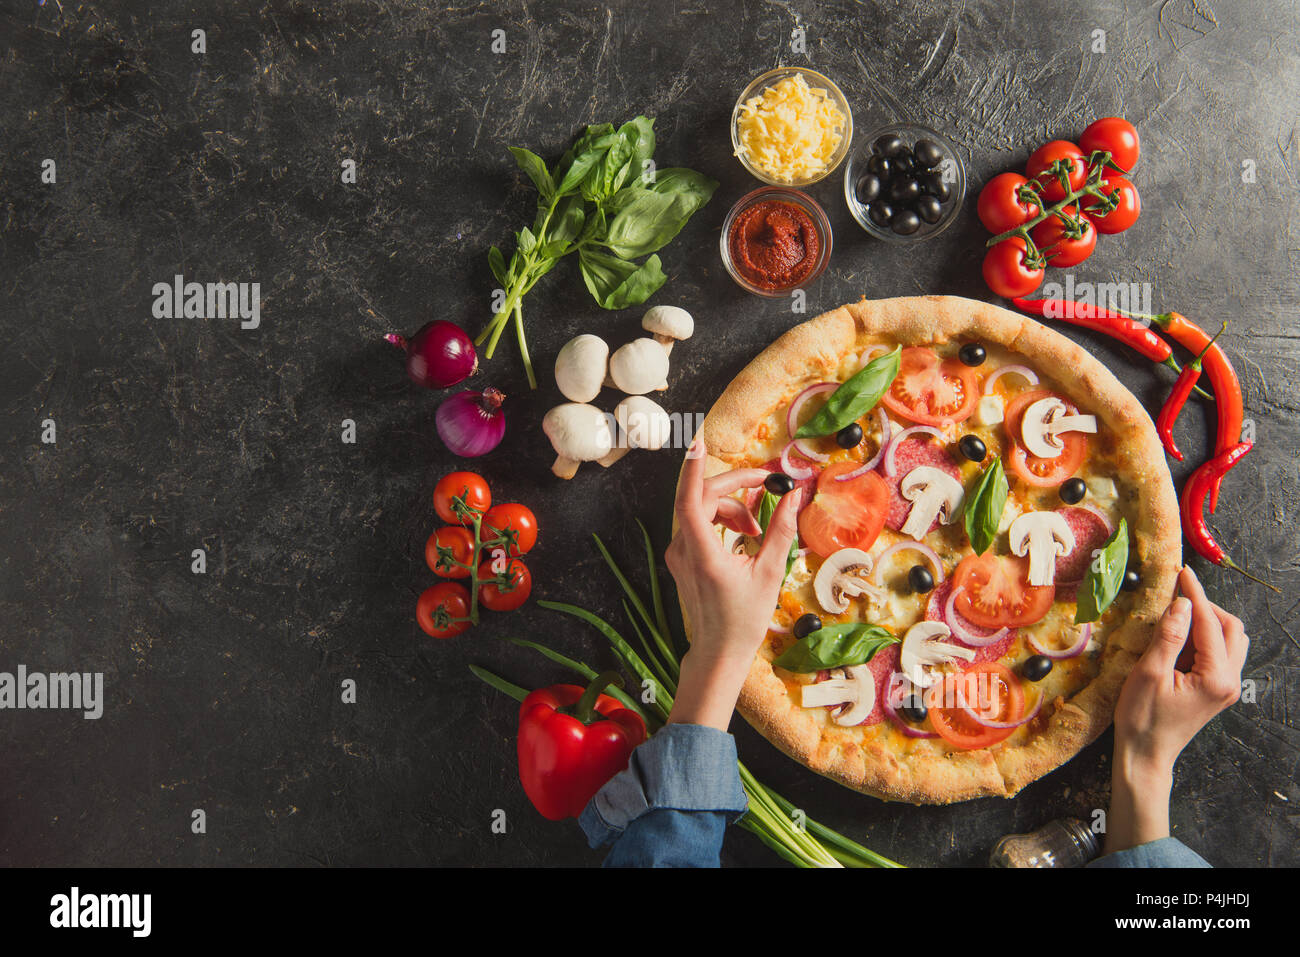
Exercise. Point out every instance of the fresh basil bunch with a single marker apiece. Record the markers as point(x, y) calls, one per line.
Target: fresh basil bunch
point(1105, 575)
point(835, 646)
point(605, 201)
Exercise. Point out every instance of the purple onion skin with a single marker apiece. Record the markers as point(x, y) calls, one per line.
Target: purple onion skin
point(439, 355)
point(471, 423)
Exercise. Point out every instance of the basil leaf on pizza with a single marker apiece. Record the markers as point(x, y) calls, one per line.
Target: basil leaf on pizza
point(855, 397)
point(766, 508)
point(835, 646)
point(984, 506)
point(1104, 577)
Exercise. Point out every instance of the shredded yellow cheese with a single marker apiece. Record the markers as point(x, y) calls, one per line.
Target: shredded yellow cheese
point(790, 131)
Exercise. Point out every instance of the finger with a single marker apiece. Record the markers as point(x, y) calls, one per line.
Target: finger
point(780, 535)
point(1234, 637)
point(1171, 634)
point(725, 483)
point(690, 491)
point(733, 515)
point(1207, 632)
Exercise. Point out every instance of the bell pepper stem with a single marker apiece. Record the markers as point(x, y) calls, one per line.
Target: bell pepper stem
point(587, 703)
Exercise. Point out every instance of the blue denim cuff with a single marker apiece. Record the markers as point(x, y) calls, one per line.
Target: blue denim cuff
point(683, 767)
point(1166, 852)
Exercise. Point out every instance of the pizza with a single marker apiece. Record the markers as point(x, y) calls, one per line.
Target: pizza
point(988, 533)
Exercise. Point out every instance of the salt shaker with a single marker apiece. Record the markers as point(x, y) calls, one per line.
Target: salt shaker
point(1067, 842)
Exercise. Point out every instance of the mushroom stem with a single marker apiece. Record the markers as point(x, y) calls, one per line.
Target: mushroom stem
point(614, 455)
point(565, 468)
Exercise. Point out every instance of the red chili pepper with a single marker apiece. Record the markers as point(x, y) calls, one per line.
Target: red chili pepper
point(571, 741)
point(1227, 388)
point(1134, 334)
point(1178, 398)
point(1192, 509)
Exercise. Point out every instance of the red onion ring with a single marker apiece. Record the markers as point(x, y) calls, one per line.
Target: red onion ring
point(1073, 651)
point(792, 470)
point(1029, 374)
point(891, 469)
point(921, 547)
point(951, 619)
point(773, 627)
point(869, 353)
point(792, 418)
point(890, 709)
point(970, 713)
point(870, 464)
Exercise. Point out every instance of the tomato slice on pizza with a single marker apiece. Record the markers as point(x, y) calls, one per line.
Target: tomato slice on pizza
point(930, 390)
point(1041, 472)
point(844, 514)
point(993, 591)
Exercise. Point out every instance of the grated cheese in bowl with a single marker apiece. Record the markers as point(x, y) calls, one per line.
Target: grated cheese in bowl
point(791, 133)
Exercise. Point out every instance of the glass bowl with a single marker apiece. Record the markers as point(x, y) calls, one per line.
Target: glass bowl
point(781, 194)
point(951, 168)
point(815, 80)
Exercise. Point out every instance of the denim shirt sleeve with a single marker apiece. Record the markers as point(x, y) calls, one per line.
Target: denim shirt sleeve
point(1166, 852)
point(672, 804)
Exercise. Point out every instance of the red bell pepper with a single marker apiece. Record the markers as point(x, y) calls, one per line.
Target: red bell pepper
point(571, 741)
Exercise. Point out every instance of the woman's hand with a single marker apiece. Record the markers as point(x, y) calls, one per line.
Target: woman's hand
point(1172, 692)
point(727, 599)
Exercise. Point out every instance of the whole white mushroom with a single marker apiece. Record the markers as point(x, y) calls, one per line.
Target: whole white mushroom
point(668, 324)
point(578, 433)
point(580, 367)
point(643, 424)
point(639, 367)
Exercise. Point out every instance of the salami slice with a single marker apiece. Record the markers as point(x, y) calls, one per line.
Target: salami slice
point(1090, 533)
point(934, 612)
point(913, 452)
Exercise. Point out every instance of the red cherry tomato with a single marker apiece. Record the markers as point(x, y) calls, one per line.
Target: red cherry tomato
point(1005, 271)
point(507, 595)
point(1060, 249)
point(1048, 154)
point(1040, 472)
point(468, 485)
point(1125, 214)
point(993, 591)
point(439, 605)
point(1000, 206)
point(1116, 135)
point(930, 390)
point(451, 542)
point(989, 689)
point(516, 522)
point(847, 514)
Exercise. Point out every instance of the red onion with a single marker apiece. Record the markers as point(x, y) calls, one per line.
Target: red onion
point(891, 469)
point(776, 629)
point(865, 467)
point(952, 620)
point(792, 417)
point(891, 709)
point(439, 355)
point(472, 423)
point(792, 470)
point(974, 716)
point(1073, 651)
point(1105, 519)
point(1029, 375)
point(929, 553)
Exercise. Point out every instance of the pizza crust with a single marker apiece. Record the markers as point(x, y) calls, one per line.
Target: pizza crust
point(818, 347)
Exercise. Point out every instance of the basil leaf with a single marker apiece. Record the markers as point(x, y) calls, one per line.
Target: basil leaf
point(587, 152)
point(984, 505)
point(766, 508)
point(677, 179)
point(639, 135)
point(835, 646)
point(497, 262)
point(1105, 575)
point(535, 167)
point(567, 220)
point(617, 284)
point(647, 223)
point(526, 239)
point(855, 397)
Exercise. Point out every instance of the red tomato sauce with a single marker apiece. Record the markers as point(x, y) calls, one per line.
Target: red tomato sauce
point(774, 245)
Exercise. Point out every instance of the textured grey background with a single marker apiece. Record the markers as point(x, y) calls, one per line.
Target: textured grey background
point(223, 689)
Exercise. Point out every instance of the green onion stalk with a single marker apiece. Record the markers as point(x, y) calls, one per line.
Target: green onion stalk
point(771, 818)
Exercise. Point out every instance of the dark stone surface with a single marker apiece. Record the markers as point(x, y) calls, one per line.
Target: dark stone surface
point(223, 689)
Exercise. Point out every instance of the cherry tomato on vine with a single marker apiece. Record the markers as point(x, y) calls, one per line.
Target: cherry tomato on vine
point(1048, 154)
point(1116, 135)
point(517, 522)
point(451, 542)
point(438, 605)
point(1005, 271)
point(468, 485)
point(1061, 249)
point(1000, 207)
point(1123, 215)
point(510, 595)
